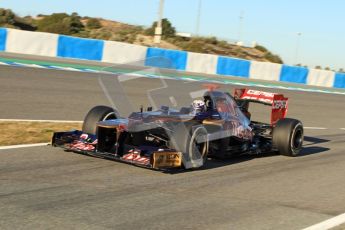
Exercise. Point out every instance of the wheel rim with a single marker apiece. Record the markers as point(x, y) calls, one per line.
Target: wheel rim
point(297, 139)
point(109, 116)
point(199, 148)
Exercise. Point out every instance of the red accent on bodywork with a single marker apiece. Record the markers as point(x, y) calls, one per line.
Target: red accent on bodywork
point(211, 87)
point(278, 102)
point(122, 127)
point(80, 145)
point(279, 108)
point(134, 156)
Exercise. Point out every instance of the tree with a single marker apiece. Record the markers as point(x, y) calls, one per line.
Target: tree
point(318, 67)
point(75, 24)
point(9, 19)
point(93, 23)
point(327, 68)
point(75, 15)
point(6, 16)
point(167, 29)
point(61, 23)
point(54, 24)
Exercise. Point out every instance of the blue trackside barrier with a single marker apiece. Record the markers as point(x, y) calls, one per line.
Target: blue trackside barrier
point(294, 74)
point(3, 36)
point(339, 81)
point(233, 67)
point(91, 49)
point(162, 58)
point(80, 48)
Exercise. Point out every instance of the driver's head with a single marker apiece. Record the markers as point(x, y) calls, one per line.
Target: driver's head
point(198, 106)
point(221, 106)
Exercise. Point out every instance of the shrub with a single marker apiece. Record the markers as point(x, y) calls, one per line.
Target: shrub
point(61, 23)
point(195, 45)
point(211, 40)
point(84, 34)
point(223, 44)
point(273, 58)
point(93, 23)
point(261, 48)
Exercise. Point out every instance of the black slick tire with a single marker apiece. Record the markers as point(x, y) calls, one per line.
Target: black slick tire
point(288, 137)
point(189, 138)
point(95, 115)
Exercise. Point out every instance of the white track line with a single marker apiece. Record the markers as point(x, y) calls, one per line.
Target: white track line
point(66, 68)
point(316, 128)
point(22, 146)
point(92, 70)
point(29, 65)
point(328, 224)
point(42, 121)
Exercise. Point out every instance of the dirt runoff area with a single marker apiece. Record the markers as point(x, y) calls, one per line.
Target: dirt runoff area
point(16, 133)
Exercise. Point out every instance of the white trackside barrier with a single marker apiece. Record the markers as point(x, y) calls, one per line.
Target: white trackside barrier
point(265, 71)
point(54, 45)
point(35, 43)
point(322, 78)
point(202, 63)
point(123, 53)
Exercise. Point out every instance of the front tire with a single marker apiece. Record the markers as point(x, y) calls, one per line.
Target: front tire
point(189, 138)
point(288, 137)
point(97, 114)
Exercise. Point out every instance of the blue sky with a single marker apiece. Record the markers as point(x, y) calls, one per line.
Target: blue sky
point(272, 23)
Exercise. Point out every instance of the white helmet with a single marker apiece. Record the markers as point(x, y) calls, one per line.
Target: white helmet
point(198, 106)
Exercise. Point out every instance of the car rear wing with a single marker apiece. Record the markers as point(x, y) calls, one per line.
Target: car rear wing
point(278, 102)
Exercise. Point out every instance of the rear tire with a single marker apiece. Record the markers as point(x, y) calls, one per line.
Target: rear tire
point(288, 137)
point(97, 114)
point(185, 139)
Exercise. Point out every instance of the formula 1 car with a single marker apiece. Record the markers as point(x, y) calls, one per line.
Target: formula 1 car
point(220, 127)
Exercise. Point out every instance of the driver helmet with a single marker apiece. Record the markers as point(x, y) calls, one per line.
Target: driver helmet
point(198, 106)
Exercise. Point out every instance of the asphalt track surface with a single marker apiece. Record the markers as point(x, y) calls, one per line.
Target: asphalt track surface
point(47, 188)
